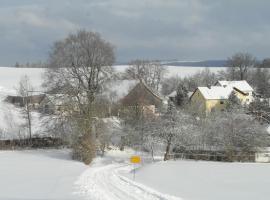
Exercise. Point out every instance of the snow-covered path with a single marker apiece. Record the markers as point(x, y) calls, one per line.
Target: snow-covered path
point(106, 181)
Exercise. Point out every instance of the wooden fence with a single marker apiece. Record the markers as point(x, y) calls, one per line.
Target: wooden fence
point(37, 142)
point(212, 156)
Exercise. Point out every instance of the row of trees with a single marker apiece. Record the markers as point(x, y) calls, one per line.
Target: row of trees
point(233, 131)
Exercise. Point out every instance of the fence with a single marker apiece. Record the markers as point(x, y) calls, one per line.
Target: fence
point(37, 142)
point(212, 156)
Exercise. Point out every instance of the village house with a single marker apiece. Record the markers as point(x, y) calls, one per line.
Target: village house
point(33, 101)
point(214, 98)
point(242, 86)
point(144, 97)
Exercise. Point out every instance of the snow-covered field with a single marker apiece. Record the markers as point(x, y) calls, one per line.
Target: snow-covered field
point(111, 178)
point(38, 174)
point(199, 180)
point(10, 76)
point(51, 175)
point(180, 71)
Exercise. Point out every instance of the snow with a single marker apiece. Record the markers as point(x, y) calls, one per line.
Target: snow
point(188, 71)
point(108, 178)
point(180, 71)
point(51, 174)
point(173, 94)
point(12, 122)
point(121, 88)
point(199, 180)
point(216, 92)
point(10, 77)
point(241, 85)
point(39, 174)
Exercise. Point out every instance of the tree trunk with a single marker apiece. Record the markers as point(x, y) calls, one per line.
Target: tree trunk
point(168, 148)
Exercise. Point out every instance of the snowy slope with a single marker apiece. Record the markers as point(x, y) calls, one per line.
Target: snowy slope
point(10, 77)
point(13, 121)
point(208, 180)
point(39, 174)
point(11, 117)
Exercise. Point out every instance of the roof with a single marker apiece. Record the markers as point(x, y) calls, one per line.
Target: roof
point(173, 94)
point(240, 85)
point(30, 99)
point(215, 92)
point(142, 94)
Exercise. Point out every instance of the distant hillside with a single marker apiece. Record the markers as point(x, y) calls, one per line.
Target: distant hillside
point(206, 63)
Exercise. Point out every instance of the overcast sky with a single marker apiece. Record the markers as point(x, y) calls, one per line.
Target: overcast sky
point(150, 29)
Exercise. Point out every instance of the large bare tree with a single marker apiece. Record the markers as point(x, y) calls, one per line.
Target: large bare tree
point(151, 72)
point(239, 65)
point(79, 67)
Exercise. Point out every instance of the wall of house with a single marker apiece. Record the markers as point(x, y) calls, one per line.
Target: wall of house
point(213, 105)
point(198, 102)
point(245, 99)
point(206, 106)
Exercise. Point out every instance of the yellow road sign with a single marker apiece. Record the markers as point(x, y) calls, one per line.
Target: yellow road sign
point(135, 159)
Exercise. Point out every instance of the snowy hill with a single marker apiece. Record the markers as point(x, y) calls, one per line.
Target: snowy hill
point(11, 118)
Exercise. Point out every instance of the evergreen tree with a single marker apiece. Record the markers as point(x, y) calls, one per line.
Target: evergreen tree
point(181, 96)
point(233, 103)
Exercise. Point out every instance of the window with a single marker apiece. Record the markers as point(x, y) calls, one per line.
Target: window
point(221, 102)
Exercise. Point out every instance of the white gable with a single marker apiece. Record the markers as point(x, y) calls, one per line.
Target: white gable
point(240, 85)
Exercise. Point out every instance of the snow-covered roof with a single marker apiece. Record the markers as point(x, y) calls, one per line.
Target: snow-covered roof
point(215, 92)
point(240, 85)
point(173, 94)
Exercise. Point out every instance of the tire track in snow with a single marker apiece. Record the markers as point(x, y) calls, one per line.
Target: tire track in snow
point(106, 183)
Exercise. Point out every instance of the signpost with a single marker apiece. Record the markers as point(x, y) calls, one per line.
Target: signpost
point(135, 160)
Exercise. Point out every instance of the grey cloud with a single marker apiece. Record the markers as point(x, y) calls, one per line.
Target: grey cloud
point(154, 29)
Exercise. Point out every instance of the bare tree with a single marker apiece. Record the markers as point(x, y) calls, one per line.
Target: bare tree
point(151, 72)
point(265, 63)
point(173, 128)
point(79, 67)
point(234, 133)
point(239, 65)
point(202, 78)
point(24, 90)
point(261, 81)
point(170, 85)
